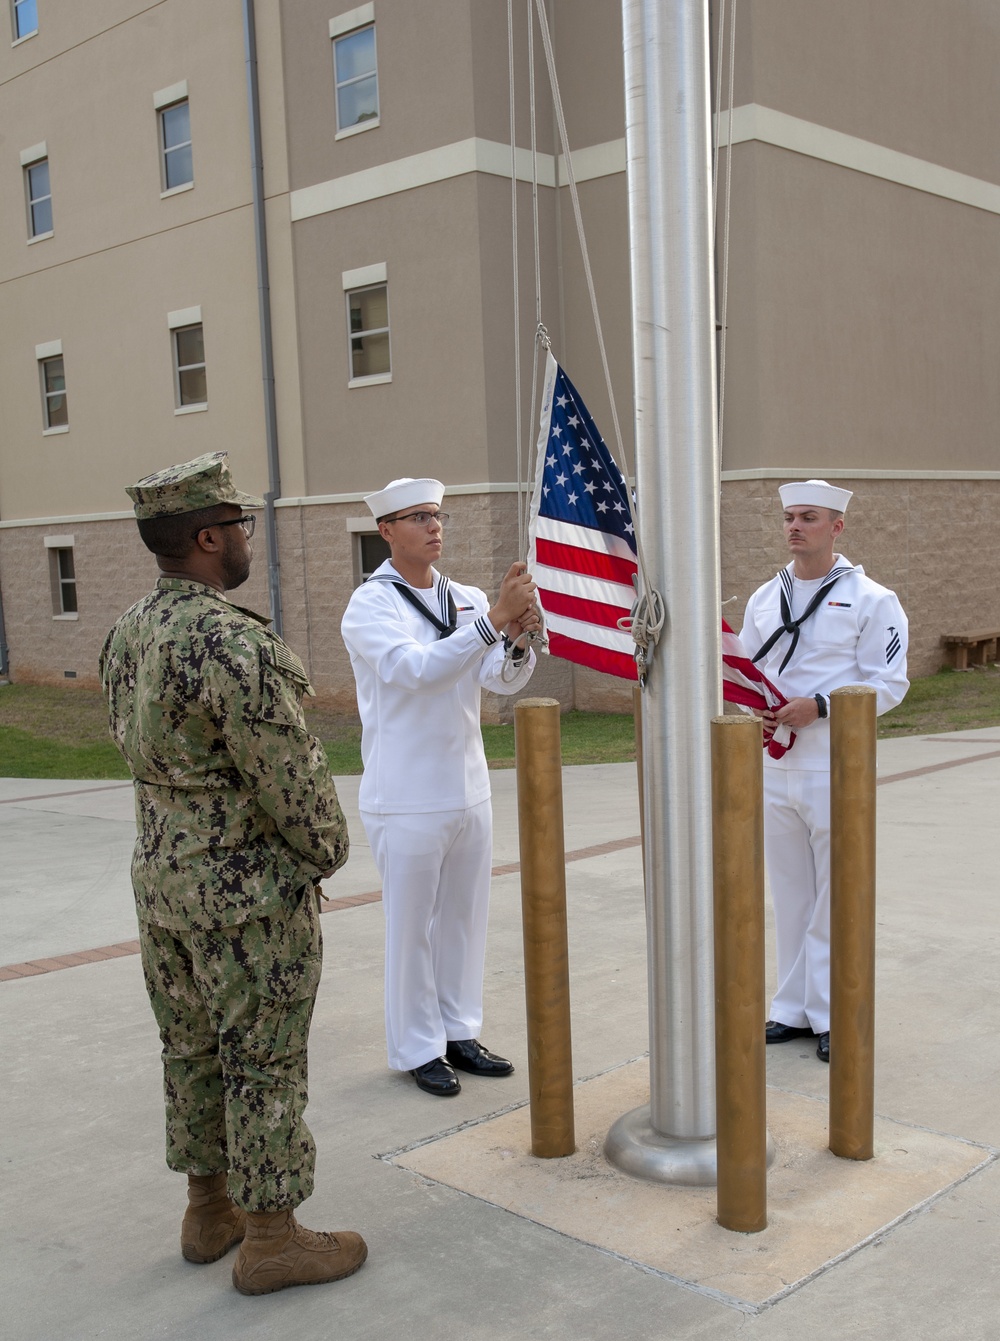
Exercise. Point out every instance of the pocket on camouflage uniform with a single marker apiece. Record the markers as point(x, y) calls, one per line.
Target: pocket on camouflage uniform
point(287, 974)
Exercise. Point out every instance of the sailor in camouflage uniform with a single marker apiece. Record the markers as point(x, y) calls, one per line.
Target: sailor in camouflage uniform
point(237, 819)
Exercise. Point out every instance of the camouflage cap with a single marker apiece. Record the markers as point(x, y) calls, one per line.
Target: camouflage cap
point(202, 483)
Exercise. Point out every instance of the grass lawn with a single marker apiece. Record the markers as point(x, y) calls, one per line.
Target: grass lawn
point(948, 701)
point(62, 732)
point(55, 732)
point(587, 738)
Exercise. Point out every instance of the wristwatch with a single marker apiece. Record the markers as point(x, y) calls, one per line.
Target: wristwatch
point(822, 705)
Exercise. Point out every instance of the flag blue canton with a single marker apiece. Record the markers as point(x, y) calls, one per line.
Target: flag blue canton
point(581, 483)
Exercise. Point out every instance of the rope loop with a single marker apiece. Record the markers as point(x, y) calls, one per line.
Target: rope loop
point(645, 624)
point(510, 667)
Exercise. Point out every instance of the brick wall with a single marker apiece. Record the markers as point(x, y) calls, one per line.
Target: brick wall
point(932, 541)
point(113, 569)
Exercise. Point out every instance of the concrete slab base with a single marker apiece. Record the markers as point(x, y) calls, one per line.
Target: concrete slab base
point(820, 1208)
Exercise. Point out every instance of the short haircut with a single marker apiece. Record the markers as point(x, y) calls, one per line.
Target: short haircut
point(173, 536)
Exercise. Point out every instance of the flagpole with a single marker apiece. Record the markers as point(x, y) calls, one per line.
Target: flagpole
point(668, 119)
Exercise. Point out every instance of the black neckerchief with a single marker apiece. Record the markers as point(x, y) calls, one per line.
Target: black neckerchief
point(790, 625)
point(444, 630)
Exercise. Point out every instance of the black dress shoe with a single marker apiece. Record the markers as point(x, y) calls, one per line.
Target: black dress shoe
point(823, 1047)
point(776, 1032)
point(437, 1077)
point(468, 1054)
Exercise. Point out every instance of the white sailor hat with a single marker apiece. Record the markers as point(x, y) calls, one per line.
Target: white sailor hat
point(814, 494)
point(404, 493)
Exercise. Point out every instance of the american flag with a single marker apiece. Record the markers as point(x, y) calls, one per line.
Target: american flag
point(582, 555)
point(744, 684)
point(582, 551)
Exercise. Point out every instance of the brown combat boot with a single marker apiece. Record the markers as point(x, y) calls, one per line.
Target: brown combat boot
point(277, 1252)
point(212, 1222)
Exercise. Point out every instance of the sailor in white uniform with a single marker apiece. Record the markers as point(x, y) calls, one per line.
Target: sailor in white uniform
point(422, 649)
point(819, 625)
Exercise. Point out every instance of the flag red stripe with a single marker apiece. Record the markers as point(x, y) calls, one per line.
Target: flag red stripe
point(575, 607)
point(598, 658)
point(737, 693)
point(585, 561)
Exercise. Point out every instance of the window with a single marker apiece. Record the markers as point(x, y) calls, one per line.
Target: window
point(25, 18)
point(36, 179)
point(175, 145)
point(368, 324)
point(37, 190)
point(175, 129)
point(62, 576)
point(55, 411)
point(354, 70)
point(66, 580)
point(368, 550)
point(173, 117)
point(371, 552)
point(187, 338)
point(368, 317)
point(189, 365)
point(54, 393)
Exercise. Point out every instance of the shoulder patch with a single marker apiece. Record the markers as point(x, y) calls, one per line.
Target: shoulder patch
point(283, 659)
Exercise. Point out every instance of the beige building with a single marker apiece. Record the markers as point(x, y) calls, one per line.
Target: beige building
point(862, 316)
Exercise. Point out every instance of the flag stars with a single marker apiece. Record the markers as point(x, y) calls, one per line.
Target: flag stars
point(583, 490)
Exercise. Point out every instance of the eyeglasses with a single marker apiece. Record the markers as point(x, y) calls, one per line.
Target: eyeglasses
point(248, 523)
point(421, 518)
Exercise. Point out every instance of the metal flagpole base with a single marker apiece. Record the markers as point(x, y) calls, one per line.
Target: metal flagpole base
point(634, 1147)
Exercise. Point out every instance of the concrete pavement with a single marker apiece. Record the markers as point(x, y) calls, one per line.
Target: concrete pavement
point(91, 1213)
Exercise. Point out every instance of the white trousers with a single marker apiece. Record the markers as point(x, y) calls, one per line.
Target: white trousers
point(797, 853)
point(435, 871)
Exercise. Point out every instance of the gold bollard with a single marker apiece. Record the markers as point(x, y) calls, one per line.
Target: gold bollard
point(852, 922)
point(543, 909)
point(740, 1072)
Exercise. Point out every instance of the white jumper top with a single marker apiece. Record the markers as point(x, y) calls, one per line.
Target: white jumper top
point(418, 693)
point(857, 635)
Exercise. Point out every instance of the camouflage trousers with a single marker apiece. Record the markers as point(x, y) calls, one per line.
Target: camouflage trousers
point(233, 1006)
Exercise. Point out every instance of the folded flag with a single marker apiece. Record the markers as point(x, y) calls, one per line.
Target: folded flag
point(746, 685)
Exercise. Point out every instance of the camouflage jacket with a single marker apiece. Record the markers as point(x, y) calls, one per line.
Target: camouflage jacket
point(235, 805)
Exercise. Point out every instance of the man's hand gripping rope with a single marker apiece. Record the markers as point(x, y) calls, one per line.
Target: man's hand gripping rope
point(517, 615)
